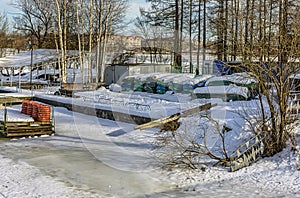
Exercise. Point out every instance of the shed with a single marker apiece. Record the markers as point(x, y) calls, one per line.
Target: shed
point(115, 73)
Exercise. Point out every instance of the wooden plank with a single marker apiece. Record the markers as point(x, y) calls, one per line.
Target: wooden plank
point(28, 128)
point(21, 133)
point(13, 124)
point(8, 124)
point(197, 109)
point(41, 123)
point(156, 124)
point(161, 121)
point(28, 134)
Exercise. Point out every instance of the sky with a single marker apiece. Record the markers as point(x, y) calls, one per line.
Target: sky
point(6, 8)
point(133, 10)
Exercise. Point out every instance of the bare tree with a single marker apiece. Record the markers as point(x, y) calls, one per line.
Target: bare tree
point(264, 36)
point(274, 69)
point(168, 14)
point(155, 38)
point(35, 19)
point(3, 25)
point(4, 42)
point(190, 146)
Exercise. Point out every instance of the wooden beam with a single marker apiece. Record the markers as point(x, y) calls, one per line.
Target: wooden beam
point(161, 121)
point(158, 122)
point(197, 109)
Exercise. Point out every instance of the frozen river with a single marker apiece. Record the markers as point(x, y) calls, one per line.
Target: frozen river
point(109, 159)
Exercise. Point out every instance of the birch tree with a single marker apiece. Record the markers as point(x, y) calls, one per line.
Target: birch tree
point(80, 24)
point(61, 45)
point(91, 16)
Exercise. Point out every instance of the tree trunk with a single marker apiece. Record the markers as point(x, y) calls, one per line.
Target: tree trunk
point(99, 36)
point(61, 43)
point(79, 39)
point(204, 32)
point(108, 23)
point(177, 55)
point(199, 37)
point(90, 73)
point(190, 37)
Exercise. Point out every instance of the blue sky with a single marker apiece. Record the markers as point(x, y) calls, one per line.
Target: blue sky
point(133, 10)
point(6, 8)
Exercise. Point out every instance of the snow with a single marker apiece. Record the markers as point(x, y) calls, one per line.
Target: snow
point(231, 89)
point(4, 95)
point(14, 115)
point(181, 78)
point(93, 157)
point(24, 58)
point(241, 78)
point(18, 179)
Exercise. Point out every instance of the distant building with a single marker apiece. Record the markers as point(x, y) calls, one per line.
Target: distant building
point(120, 43)
point(167, 44)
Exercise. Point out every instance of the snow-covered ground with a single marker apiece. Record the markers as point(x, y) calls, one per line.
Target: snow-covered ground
point(93, 157)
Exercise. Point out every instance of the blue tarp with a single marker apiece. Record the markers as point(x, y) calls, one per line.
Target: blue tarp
point(227, 68)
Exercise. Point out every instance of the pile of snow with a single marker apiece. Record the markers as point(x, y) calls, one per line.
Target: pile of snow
point(14, 115)
point(115, 87)
point(223, 91)
point(238, 78)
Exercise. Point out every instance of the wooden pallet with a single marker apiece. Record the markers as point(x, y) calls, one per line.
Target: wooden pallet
point(17, 129)
point(25, 128)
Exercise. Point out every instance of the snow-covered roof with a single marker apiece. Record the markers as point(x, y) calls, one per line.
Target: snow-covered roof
point(182, 78)
point(24, 58)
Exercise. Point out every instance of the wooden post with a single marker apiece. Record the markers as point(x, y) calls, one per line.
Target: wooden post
point(53, 120)
point(5, 115)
